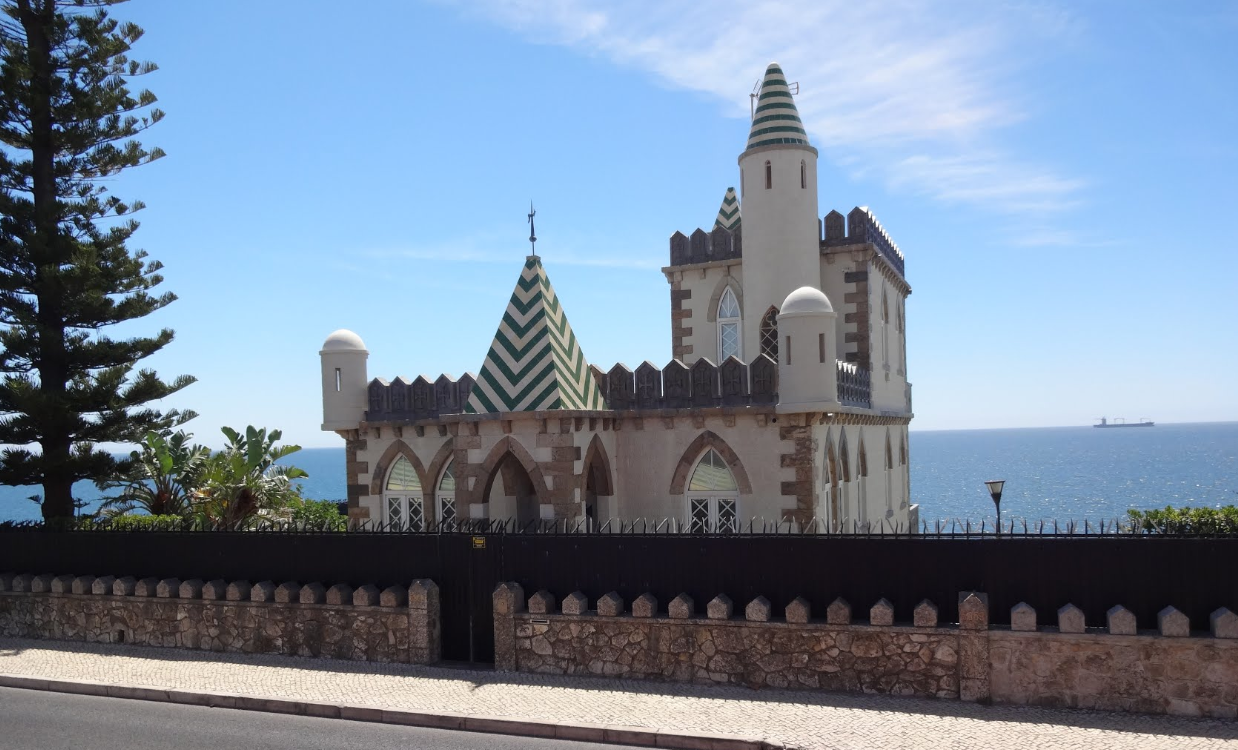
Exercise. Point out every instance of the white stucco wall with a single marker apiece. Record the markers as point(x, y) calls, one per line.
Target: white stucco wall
point(706, 282)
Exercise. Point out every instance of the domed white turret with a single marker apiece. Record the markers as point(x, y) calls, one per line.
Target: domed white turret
point(778, 184)
point(807, 368)
point(806, 300)
point(344, 380)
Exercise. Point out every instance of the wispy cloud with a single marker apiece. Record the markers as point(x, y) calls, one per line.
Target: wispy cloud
point(478, 249)
point(913, 92)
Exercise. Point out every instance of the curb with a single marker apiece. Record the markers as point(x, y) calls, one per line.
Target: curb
point(618, 735)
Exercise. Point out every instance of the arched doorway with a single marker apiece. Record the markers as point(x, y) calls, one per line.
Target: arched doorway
point(509, 492)
point(596, 491)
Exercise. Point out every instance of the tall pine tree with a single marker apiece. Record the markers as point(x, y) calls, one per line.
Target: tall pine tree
point(67, 125)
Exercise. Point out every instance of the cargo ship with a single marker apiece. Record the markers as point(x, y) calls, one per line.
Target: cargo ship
point(1120, 422)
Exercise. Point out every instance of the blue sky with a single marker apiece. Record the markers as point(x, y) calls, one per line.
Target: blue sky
point(1061, 178)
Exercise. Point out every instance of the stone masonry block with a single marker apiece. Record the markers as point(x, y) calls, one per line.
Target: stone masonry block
point(758, 610)
point(423, 594)
point(124, 586)
point(720, 608)
point(42, 584)
point(147, 587)
point(22, 583)
point(1224, 623)
point(288, 592)
point(1121, 621)
point(645, 605)
point(393, 596)
point(838, 613)
point(1070, 619)
point(84, 584)
point(215, 590)
point(1173, 623)
point(973, 610)
point(924, 615)
point(681, 607)
point(1023, 618)
point(103, 585)
point(191, 589)
point(339, 595)
point(507, 599)
point(168, 588)
point(575, 603)
point(62, 584)
point(542, 603)
point(6, 581)
point(238, 591)
point(882, 613)
point(313, 593)
point(799, 610)
point(262, 591)
point(365, 596)
point(610, 605)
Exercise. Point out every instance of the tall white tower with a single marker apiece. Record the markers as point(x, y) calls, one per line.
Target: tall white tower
point(778, 179)
point(344, 381)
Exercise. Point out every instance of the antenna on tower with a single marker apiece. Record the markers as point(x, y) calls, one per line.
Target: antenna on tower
point(532, 232)
point(756, 94)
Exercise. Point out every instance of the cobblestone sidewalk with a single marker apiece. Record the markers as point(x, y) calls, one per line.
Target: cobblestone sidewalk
point(796, 719)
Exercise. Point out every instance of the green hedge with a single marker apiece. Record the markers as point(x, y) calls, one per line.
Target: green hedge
point(1186, 520)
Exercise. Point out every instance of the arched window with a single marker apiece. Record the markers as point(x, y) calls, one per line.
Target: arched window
point(803, 175)
point(729, 327)
point(861, 512)
point(844, 458)
point(885, 328)
point(889, 476)
point(402, 495)
point(769, 175)
point(447, 494)
point(769, 334)
point(713, 496)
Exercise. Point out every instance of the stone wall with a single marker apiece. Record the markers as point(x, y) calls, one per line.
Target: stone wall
point(365, 624)
point(1166, 671)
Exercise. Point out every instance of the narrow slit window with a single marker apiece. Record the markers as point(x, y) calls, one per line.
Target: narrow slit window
point(769, 175)
point(803, 175)
point(788, 350)
point(337, 380)
point(821, 347)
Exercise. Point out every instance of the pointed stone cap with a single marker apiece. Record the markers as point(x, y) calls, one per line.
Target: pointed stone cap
point(1173, 623)
point(1070, 619)
point(1121, 621)
point(681, 607)
point(882, 613)
point(1023, 618)
point(776, 121)
point(720, 608)
point(1224, 623)
point(838, 613)
point(645, 605)
point(542, 603)
point(924, 615)
point(728, 214)
point(610, 605)
point(758, 610)
point(575, 603)
point(535, 362)
point(799, 610)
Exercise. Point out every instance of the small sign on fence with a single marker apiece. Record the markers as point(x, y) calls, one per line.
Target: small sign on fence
point(479, 542)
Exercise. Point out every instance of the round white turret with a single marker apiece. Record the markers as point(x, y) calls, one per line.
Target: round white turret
point(778, 178)
point(807, 371)
point(344, 380)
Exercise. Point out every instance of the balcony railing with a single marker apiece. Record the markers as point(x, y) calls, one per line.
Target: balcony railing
point(855, 387)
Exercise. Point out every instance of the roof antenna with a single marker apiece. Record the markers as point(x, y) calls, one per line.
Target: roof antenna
point(793, 87)
point(532, 233)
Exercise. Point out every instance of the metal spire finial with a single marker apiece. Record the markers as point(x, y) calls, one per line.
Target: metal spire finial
point(532, 232)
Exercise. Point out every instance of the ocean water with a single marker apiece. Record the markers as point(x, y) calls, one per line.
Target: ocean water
point(1054, 472)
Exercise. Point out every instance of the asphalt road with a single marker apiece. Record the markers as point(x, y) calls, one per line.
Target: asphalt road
point(37, 720)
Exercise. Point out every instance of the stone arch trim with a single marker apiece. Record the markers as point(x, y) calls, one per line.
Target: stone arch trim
point(711, 314)
point(596, 450)
point(687, 462)
point(378, 479)
point(488, 469)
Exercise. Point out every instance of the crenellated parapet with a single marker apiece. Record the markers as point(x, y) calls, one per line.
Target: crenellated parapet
point(400, 399)
point(704, 384)
point(706, 247)
point(858, 227)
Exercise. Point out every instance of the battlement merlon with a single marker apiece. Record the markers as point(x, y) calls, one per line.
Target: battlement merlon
point(861, 226)
point(706, 247)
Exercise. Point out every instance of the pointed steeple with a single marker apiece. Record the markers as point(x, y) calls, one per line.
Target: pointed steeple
point(775, 119)
point(535, 362)
point(728, 214)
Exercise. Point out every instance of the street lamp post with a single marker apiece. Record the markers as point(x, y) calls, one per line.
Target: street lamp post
point(995, 491)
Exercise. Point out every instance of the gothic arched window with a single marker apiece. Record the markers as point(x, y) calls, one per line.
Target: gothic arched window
point(402, 496)
point(713, 496)
point(447, 494)
point(729, 327)
point(769, 334)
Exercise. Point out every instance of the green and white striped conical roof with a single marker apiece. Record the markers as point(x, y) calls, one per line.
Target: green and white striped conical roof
point(775, 119)
point(534, 363)
point(728, 214)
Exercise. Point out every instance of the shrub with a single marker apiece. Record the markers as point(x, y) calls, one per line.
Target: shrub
point(1186, 520)
point(317, 514)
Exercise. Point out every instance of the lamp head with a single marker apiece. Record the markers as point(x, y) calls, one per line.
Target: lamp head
point(995, 488)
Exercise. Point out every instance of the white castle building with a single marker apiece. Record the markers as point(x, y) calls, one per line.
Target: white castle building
point(787, 398)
